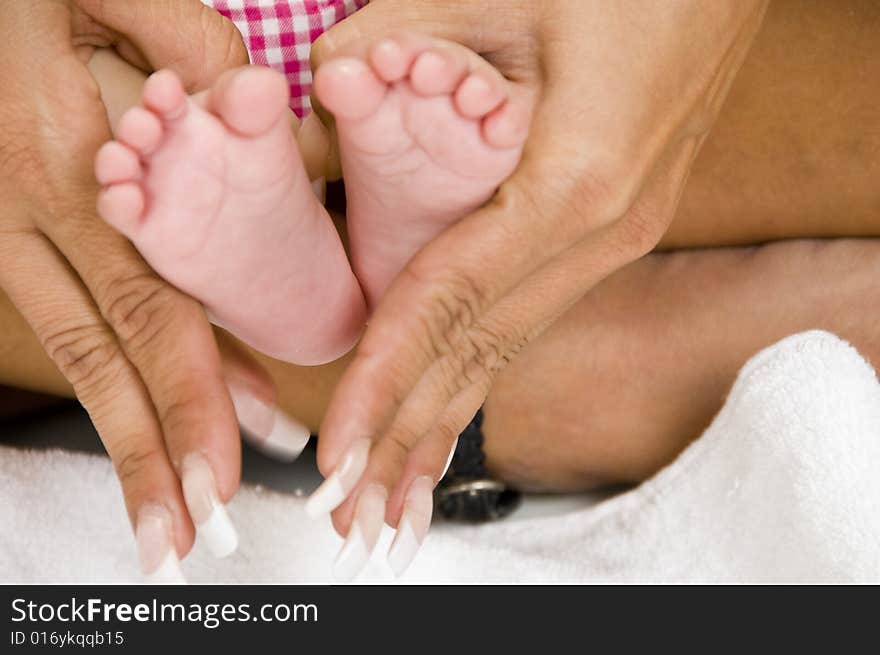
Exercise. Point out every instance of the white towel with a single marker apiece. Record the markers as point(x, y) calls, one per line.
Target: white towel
point(784, 486)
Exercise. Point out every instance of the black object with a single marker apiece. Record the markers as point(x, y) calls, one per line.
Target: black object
point(467, 493)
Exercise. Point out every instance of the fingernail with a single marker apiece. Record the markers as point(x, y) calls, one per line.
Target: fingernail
point(449, 460)
point(213, 525)
point(319, 186)
point(336, 488)
point(267, 428)
point(414, 524)
point(158, 558)
point(369, 516)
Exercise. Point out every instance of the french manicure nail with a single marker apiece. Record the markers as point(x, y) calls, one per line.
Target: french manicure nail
point(267, 428)
point(369, 516)
point(319, 186)
point(213, 525)
point(413, 526)
point(449, 460)
point(336, 488)
point(158, 558)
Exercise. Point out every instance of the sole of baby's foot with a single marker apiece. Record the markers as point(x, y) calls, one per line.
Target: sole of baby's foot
point(427, 132)
point(213, 194)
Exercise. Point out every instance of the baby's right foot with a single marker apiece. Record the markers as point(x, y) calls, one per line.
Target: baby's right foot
point(214, 195)
point(427, 133)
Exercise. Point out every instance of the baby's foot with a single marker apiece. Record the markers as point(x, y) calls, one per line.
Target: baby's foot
point(213, 193)
point(426, 136)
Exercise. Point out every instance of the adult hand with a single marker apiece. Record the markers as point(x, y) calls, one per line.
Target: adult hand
point(624, 95)
point(140, 355)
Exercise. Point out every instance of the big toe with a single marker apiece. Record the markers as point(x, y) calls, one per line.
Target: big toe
point(349, 88)
point(250, 100)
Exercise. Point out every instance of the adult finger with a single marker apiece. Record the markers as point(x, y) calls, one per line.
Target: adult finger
point(428, 313)
point(163, 333)
point(453, 385)
point(193, 40)
point(264, 425)
point(78, 340)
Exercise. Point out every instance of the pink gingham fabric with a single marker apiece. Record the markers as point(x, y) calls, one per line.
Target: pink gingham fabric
point(280, 33)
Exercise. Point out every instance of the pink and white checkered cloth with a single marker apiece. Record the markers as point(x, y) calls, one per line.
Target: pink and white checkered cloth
point(280, 33)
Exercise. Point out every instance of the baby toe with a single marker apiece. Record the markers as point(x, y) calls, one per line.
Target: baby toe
point(122, 206)
point(349, 88)
point(250, 100)
point(164, 94)
point(116, 163)
point(479, 94)
point(140, 129)
point(392, 58)
point(438, 71)
point(507, 126)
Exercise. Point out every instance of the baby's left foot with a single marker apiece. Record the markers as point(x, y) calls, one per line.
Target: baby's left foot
point(427, 132)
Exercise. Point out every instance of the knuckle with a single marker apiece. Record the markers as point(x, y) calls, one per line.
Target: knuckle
point(135, 463)
point(17, 158)
point(85, 355)
point(397, 448)
point(592, 191)
point(138, 308)
point(228, 34)
point(641, 232)
point(642, 228)
point(493, 351)
point(477, 359)
point(455, 302)
point(600, 190)
point(178, 416)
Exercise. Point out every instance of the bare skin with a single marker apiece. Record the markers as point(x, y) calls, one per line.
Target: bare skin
point(766, 171)
point(793, 153)
point(630, 375)
point(796, 149)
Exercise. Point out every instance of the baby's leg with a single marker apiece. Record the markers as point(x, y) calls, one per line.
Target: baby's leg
point(214, 194)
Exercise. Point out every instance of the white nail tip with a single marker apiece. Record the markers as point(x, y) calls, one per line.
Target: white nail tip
point(352, 558)
point(213, 524)
point(218, 533)
point(414, 524)
point(168, 572)
point(404, 548)
point(369, 516)
point(325, 498)
point(449, 459)
point(287, 439)
point(339, 484)
point(159, 562)
point(268, 429)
